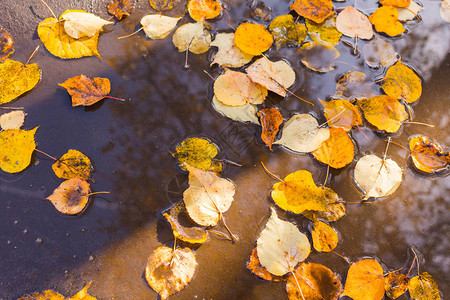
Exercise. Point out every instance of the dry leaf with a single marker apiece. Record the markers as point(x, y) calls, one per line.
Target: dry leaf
point(229, 55)
point(17, 79)
point(12, 120)
point(385, 19)
point(319, 57)
point(243, 113)
point(445, 10)
point(193, 37)
point(334, 208)
point(402, 83)
point(200, 10)
point(396, 3)
point(428, 156)
point(78, 23)
point(365, 280)
point(325, 239)
point(271, 120)
point(287, 33)
point(52, 295)
point(255, 267)
point(354, 85)
point(196, 152)
point(253, 38)
point(325, 32)
point(379, 53)
point(120, 8)
point(353, 23)
point(314, 10)
point(6, 44)
point(158, 26)
point(163, 5)
point(409, 13)
point(395, 285)
point(16, 148)
point(337, 151)
point(86, 91)
point(340, 113)
point(73, 164)
point(423, 287)
point(71, 197)
point(83, 294)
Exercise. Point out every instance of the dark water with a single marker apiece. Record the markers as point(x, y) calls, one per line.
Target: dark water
point(129, 144)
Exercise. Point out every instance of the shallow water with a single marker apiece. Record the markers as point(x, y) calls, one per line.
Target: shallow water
point(129, 144)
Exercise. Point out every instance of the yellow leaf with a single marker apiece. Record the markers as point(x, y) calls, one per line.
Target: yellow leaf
point(396, 3)
point(335, 209)
point(365, 280)
point(353, 23)
point(6, 44)
point(340, 113)
point(73, 164)
point(423, 287)
point(395, 285)
point(385, 19)
point(12, 120)
point(243, 113)
point(71, 196)
point(229, 55)
point(314, 10)
point(255, 267)
point(83, 294)
point(45, 295)
point(402, 83)
point(16, 79)
point(354, 85)
point(196, 152)
point(287, 33)
point(78, 23)
point(16, 148)
point(325, 239)
point(158, 26)
point(253, 38)
point(168, 271)
point(325, 32)
point(337, 151)
point(319, 57)
point(193, 37)
point(428, 156)
point(199, 10)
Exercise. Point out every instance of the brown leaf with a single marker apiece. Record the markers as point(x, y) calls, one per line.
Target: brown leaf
point(255, 267)
point(6, 44)
point(340, 113)
point(428, 156)
point(71, 197)
point(120, 8)
point(395, 285)
point(314, 10)
point(271, 120)
point(86, 91)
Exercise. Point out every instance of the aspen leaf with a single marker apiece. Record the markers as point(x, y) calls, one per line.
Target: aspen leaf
point(243, 113)
point(340, 113)
point(379, 53)
point(163, 5)
point(316, 281)
point(17, 79)
point(325, 239)
point(255, 267)
point(207, 197)
point(395, 285)
point(78, 23)
point(196, 152)
point(402, 83)
point(409, 13)
point(337, 151)
point(385, 19)
point(354, 85)
point(71, 196)
point(326, 32)
point(229, 55)
point(200, 10)
point(445, 10)
point(298, 192)
point(314, 10)
point(365, 280)
point(383, 112)
point(73, 164)
point(52, 295)
point(193, 37)
point(301, 133)
point(6, 44)
point(396, 3)
point(16, 148)
point(236, 89)
point(319, 57)
point(252, 38)
point(158, 26)
point(168, 271)
point(286, 32)
point(12, 120)
point(423, 287)
point(428, 156)
point(334, 208)
point(120, 8)
point(353, 23)
point(275, 76)
point(86, 91)
point(271, 120)
point(377, 177)
point(281, 246)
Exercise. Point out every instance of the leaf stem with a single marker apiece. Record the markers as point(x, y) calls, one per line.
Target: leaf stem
point(298, 284)
point(95, 193)
point(419, 123)
point(48, 155)
point(210, 76)
point(49, 9)
point(32, 54)
point(326, 176)
point(229, 162)
point(131, 34)
point(397, 144)
point(328, 121)
point(343, 257)
point(6, 107)
point(270, 173)
point(110, 97)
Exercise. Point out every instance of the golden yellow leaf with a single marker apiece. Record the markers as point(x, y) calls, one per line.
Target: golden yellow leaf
point(402, 83)
point(86, 91)
point(396, 3)
point(365, 280)
point(287, 33)
point(200, 10)
point(423, 287)
point(255, 267)
point(325, 32)
point(353, 23)
point(78, 23)
point(229, 55)
point(337, 151)
point(395, 285)
point(319, 57)
point(385, 19)
point(83, 294)
point(12, 120)
point(168, 271)
point(314, 10)
point(243, 113)
point(73, 164)
point(354, 85)
point(45, 295)
point(340, 113)
point(325, 239)
point(193, 37)
point(158, 26)
point(71, 196)
point(16, 148)
point(253, 38)
point(335, 209)
point(428, 156)
point(17, 79)
point(196, 152)
point(6, 44)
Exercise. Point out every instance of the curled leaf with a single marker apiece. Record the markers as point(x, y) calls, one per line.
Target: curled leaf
point(385, 19)
point(120, 8)
point(365, 280)
point(314, 10)
point(337, 151)
point(423, 287)
point(78, 23)
point(395, 285)
point(193, 37)
point(71, 197)
point(402, 83)
point(86, 91)
point(17, 79)
point(252, 38)
point(287, 33)
point(196, 152)
point(6, 44)
point(12, 120)
point(255, 267)
point(271, 120)
point(16, 148)
point(428, 156)
point(201, 10)
point(229, 55)
point(325, 239)
point(73, 164)
point(158, 26)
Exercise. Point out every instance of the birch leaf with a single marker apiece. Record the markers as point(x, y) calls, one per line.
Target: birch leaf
point(341, 113)
point(334, 208)
point(326, 31)
point(17, 79)
point(395, 285)
point(12, 120)
point(200, 10)
point(243, 113)
point(196, 152)
point(385, 19)
point(353, 23)
point(158, 26)
point(365, 280)
point(271, 120)
point(286, 32)
point(78, 23)
point(324, 237)
point(423, 287)
point(337, 151)
point(71, 196)
point(229, 55)
point(120, 8)
point(409, 13)
point(193, 37)
point(16, 149)
point(428, 156)
point(314, 10)
point(255, 267)
point(73, 164)
point(86, 91)
point(252, 38)
point(402, 83)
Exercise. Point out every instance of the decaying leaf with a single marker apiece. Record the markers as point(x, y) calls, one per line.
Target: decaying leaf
point(383, 112)
point(73, 164)
point(271, 120)
point(445, 10)
point(196, 152)
point(6, 44)
point(428, 156)
point(423, 287)
point(315, 10)
point(402, 83)
point(71, 197)
point(275, 76)
point(286, 32)
point(365, 280)
point(207, 197)
point(385, 19)
point(341, 113)
point(193, 37)
point(17, 79)
point(377, 177)
point(168, 271)
point(395, 285)
point(316, 281)
point(52, 295)
point(162, 5)
point(78, 23)
point(120, 8)
point(337, 151)
point(281, 246)
point(319, 57)
point(326, 32)
point(236, 89)
point(86, 91)
point(353, 23)
point(201, 10)
point(255, 267)
point(335, 209)
point(379, 53)
point(16, 148)
point(12, 120)
point(158, 26)
point(302, 133)
point(396, 3)
point(253, 38)
point(229, 55)
point(354, 85)
point(408, 13)
point(324, 237)
point(298, 192)
point(243, 113)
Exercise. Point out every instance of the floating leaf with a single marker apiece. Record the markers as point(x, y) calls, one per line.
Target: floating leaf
point(340, 113)
point(314, 10)
point(168, 271)
point(409, 13)
point(78, 23)
point(17, 79)
point(377, 177)
point(16, 148)
point(402, 83)
point(379, 53)
point(428, 156)
point(303, 134)
point(325, 239)
point(353, 23)
point(193, 37)
point(86, 91)
point(334, 208)
point(207, 197)
point(12, 120)
point(385, 19)
point(275, 76)
point(200, 10)
point(253, 38)
point(316, 281)
point(337, 151)
point(423, 287)
point(73, 164)
point(287, 33)
point(396, 3)
point(281, 246)
point(120, 8)
point(196, 152)
point(271, 120)
point(318, 57)
point(158, 26)
point(395, 285)
point(243, 113)
point(162, 5)
point(71, 197)
point(52, 295)
point(255, 267)
point(354, 85)
point(365, 280)
point(83, 294)
point(445, 10)
point(229, 55)
point(6, 44)
point(326, 32)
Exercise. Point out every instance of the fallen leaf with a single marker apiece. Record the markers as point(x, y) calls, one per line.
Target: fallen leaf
point(78, 23)
point(253, 38)
point(193, 37)
point(298, 192)
point(353, 23)
point(383, 112)
point(16, 148)
point(201, 10)
point(396, 3)
point(354, 85)
point(182, 229)
point(207, 197)
point(337, 151)
point(162, 5)
point(302, 133)
point(286, 32)
point(120, 8)
point(229, 55)
point(445, 10)
point(45, 295)
point(385, 19)
point(326, 32)
point(281, 246)
point(409, 13)
point(316, 281)
point(365, 280)
point(6, 44)
point(168, 271)
point(73, 164)
point(17, 79)
point(377, 177)
point(324, 237)
point(428, 156)
point(71, 196)
point(379, 53)
point(341, 113)
point(83, 294)
point(314, 10)
point(395, 285)
point(275, 76)
point(86, 91)
point(243, 113)
point(319, 57)
point(236, 89)
point(158, 26)
point(12, 120)
point(402, 83)
point(423, 287)
point(196, 152)
point(271, 120)
point(334, 208)
point(255, 267)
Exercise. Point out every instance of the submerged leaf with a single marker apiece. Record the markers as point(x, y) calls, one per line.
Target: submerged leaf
point(423, 287)
point(73, 164)
point(243, 113)
point(12, 120)
point(379, 53)
point(365, 280)
point(314, 10)
point(287, 33)
point(255, 267)
point(16, 148)
point(17, 79)
point(196, 152)
point(120, 8)
point(402, 83)
point(86, 91)
point(337, 151)
point(354, 85)
point(318, 57)
point(428, 156)
point(78, 23)
point(229, 55)
point(158, 26)
point(395, 285)
point(353, 23)
point(385, 19)
point(200, 10)
point(253, 38)
point(71, 197)
point(325, 32)
point(341, 113)
point(193, 37)
point(325, 239)
point(6, 44)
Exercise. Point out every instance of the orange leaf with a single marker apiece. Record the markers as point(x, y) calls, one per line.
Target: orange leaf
point(428, 156)
point(86, 91)
point(365, 280)
point(402, 83)
point(314, 10)
point(396, 3)
point(255, 267)
point(120, 8)
point(395, 285)
point(324, 237)
point(340, 113)
point(385, 19)
point(71, 197)
point(6, 44)
point(271, 120)
point(253, 38)
point(200, 10)
point(338, 151)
